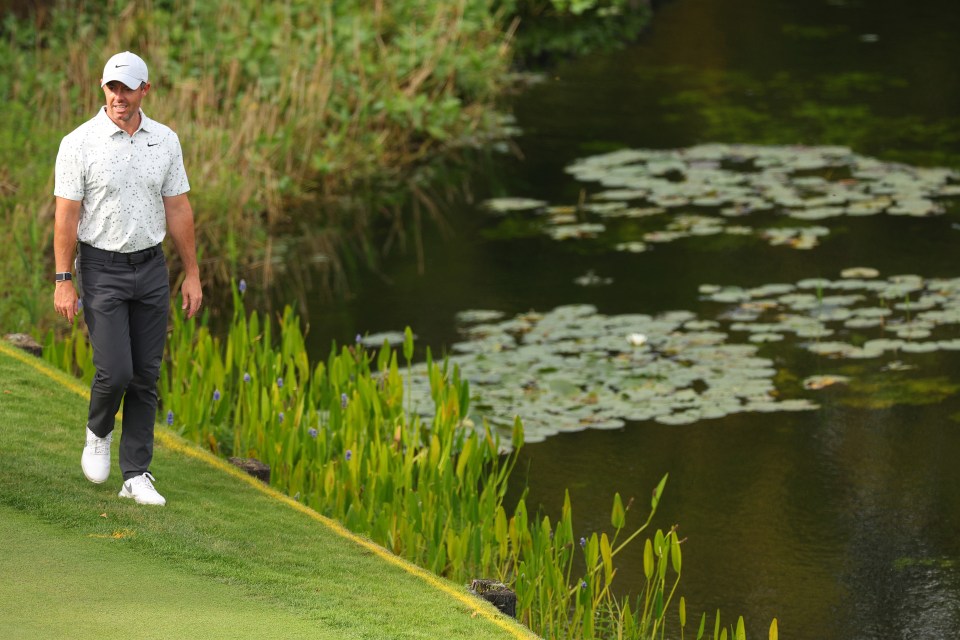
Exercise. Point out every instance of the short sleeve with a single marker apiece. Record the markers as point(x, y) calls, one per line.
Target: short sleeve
point(68, 179)
point(175, 181)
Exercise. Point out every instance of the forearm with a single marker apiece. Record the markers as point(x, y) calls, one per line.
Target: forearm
point(181, 230)
point(66, 218)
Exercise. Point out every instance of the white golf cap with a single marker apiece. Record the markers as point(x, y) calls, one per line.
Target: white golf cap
point(128, 68)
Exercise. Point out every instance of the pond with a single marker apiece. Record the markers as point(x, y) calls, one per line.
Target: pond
point(776, 326)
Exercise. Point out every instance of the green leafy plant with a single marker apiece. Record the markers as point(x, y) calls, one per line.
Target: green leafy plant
point(425, 482)
point(548, 28)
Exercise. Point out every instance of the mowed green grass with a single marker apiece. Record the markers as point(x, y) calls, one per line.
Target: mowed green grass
point(56, 584)
point(222, 559)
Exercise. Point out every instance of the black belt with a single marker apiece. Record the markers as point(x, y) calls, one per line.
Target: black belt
point(134, 257)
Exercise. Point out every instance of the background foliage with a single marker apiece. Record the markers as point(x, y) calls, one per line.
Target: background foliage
point(281, 107)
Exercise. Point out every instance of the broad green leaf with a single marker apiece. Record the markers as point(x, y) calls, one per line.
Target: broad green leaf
point(607, 556)
point(618, 517)
point(517, 436)
point(655, 500)
point(592, 551)
point(658, 546)
point(648, 559)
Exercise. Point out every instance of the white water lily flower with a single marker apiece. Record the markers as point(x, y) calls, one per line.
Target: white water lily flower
point(637, 339)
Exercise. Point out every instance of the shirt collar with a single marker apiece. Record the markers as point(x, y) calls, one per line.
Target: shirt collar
point(110, 128)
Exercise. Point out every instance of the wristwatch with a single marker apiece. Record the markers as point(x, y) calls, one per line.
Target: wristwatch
point(63, 275)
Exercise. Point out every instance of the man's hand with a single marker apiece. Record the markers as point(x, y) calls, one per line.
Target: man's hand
point(65, 300)
point(192, 295)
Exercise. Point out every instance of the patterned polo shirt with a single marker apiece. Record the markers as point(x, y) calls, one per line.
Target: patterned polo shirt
point(121, 181)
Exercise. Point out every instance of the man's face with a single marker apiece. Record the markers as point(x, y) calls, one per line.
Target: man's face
point(123, 103)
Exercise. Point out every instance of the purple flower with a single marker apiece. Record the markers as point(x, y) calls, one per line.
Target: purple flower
point(280, 382)
point(313, 433)
point(170, 418)
point(281, 417)
point(583, 542)
point(246, 377)
point(216, 395)
point(358, 338)
point(343, 401)
point(348, 455)
point(242, 286)
point(583, 584)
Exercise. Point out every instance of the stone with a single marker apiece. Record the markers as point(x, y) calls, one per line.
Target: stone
point(497, 594)
point(254, 467)
point(25, 342)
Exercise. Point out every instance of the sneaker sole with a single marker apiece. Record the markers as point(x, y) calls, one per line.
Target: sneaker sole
point(94, 480)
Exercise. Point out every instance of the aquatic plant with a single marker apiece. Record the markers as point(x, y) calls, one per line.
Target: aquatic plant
point(923, 320)
point(657, 196)
point(549, 28)
point(572, 368)
point(419, 478)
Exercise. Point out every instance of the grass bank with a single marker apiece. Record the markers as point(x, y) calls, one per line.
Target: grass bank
point(114, 590)
point(224, 545)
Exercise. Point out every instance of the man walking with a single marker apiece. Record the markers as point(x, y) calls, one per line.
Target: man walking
point(120, 188)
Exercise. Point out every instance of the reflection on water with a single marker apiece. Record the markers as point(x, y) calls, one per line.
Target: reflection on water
point(842, 522)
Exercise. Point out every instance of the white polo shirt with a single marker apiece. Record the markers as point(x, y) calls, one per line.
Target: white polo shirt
point(121, 181)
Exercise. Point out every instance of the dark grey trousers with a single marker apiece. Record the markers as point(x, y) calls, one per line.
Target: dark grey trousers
point(126, 299)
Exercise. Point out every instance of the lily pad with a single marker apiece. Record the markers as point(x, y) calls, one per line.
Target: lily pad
point(507, 205)
point(751, 182)
point(859, 272)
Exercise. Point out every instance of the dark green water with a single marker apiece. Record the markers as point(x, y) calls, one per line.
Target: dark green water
point(843, 523)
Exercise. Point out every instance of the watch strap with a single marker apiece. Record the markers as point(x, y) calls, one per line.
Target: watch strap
point(63, 275)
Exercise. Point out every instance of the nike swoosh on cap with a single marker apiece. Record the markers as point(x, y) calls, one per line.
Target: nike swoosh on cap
point(117, 66)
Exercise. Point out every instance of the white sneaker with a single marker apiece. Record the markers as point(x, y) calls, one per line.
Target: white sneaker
point(140, 488)
point(95, 460)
